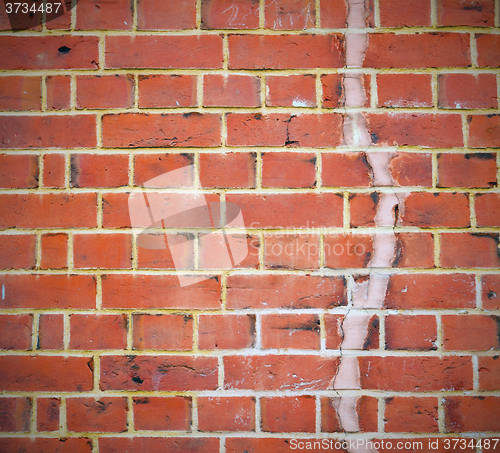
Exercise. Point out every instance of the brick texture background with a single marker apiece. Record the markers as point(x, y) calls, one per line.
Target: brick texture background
point(311, 115)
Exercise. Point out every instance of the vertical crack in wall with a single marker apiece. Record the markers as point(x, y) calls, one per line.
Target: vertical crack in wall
point(367, 292)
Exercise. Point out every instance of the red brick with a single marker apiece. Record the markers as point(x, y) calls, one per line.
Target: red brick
point(467, 91)
point(196, 51)
point(431, 291)
point(18, 171)
point(158, 373)
point(470, 332)
point(288, 169)
point(414, 250)
point(46, 445)
point(46, 373)
point(472, 413)
point(285, 51)
point(20, 93)
point(290, 331)
point(292, 251)
point(280, 129)
point(487, 207)
point(345, 170)
point(366, 411)
point(484, 131)
point(406, 414)
point(231, 90)
point(172, 332)
point(347, 251)
point(150, 444)
point(15, 414)
point(334, 90)
point(15, 331)
point(436, 210)
point(226, 331)
point(75, 131)
point(404, 90)
point(47, 414)
point(290, 291)
point(104, 15)
point(289, 414)
point(363, 208)
point(410, 374)
point(273, 372)
point(410, 13)
point(97, 415)
point(54, 251)
point(99, 170)
point(335, 334)
point(138, 130)
point(62, 20)
point(17, 251)
point(22, 52)
point(48, 291)
point(229, 14)
point(416, 129)
point(426, 50)
point(159, 291)
point(469, 250)
point(333, 13)
point(491, 291)
point(58, 92)
point(162, 414)
point(467, 170)
point(472, 13)
point(51, 331)
point(290, 14)
point(489, 373)
point(226, 414)
point(104, 251)
point(298, 210)
point(105, 92)
point(162, 258)
point(167, 90)
point(291, 91)
point(227, 170)
point(213, 251)
point(411, 169)
point(487, 50)
point(54, 168)
point(149, 166)
point(92, 332)
point(406, 332)
point(166, 14)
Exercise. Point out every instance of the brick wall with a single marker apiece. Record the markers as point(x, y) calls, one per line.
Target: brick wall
point(360, 141)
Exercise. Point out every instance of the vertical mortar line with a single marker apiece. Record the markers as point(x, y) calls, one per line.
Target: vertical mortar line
point(441, 425)
point(258, 170)
point(70, 251)
point(130, 332)
point(479, 292)
point(135, 252)
point(381, 327)
point(33, 413)
point(35, 331)
point(223, 286)
point(377, 13)
point(194, 345)
point(439, 332)
point(373, 91)
point(72, 92)
point(196, 247)
point(465, 130)
point(134, 16)
point(198, 14)
point(62, 416)
point(131, 169)
point(475, 373)
point(43, 99)
point(321, 250)
point(97, 372)
point(38, 250)
point(319, 91)
point(434, 162)
point(322, 331)
point(435, 89)
point(66, 331)
point(437, 250)
point(99, 210)
point(130, 414)
point(73, 14)
point(497, 13)
point(136, 91)
point(472, 208)
point(498, 166)
point(262, 19)
point(223, 130)
point(258, 415)
point(220, 376)
point(318, 168)
point(98, 278)
point(263, 91)
point(196, 170)
point(102, 53)
point(222, 444)
point(381, 415)
point(317, 8)
point(98, 123)
point(67, 169)
point(262, 250)
point(40, 166)
point(473, 51)
point(346, 213)
point(434, 13)
point(199, 90)
point(225, 51)
point(194, 413)
point(258, 331)
point(317, 400)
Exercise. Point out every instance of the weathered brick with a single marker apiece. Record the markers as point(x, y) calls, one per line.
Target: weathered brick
point(92, 332)
point(162, 413)
point(149, 166)
point(336, 86)
point(484, 131)
point(231, 90)
point(104, 251)
point(173, 332)
point(54, 168)
point(226, 414)
point(138, 130)
point(166, 14)
point(198, 51)
point(407, 414)
point(170, 444)
point(404, 90)
point(345, 170)
point(489, 373)
point(158, 373)
point(338, 335)
point(467, 91)
point(467, 170)
point(104, 15)
point(288, 414)
point(17, 251)
point(232, 14)
point(46, 445)
point(347, 250)
point(105, 92)
point(15, 331)
point(166, 90)
point(47, 414)
point(51, 331)
point(58, 92)
point(289, 14)
point(411, 169)
point(15, 414)
point(333, 13)
point(410, 13)
point(226, 331)
point(472, 413)
point(469, 250)
point(470, 332)
point(291, 251)
point(99, 170)
point(106, 414)
point(291, 91)
point(472, 13)
point(227, 170)
point(407, 332)
point(487, 50)
point(290, 331)
point(491, 291)
point(20, 93)
point(366, 412)
point(54, 251)
point(280, 291)
point(487, 206)
point(288, 169)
